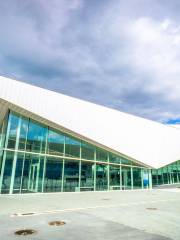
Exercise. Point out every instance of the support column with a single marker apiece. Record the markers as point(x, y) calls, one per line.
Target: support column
point(64, 153)
point(80, 167)
point(150, 178)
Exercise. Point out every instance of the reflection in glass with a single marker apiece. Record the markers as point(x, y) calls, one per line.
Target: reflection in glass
point(101, 155)
point(87, 176)
point(7, 172)
point(101, 177)
point(126, 178)
point(71, 176)
point(23, 134)
point(72, 148)
point(53, 176)
point(13, 122)
point(137, 178)
point(87, 151)
point(18, 173)
point(114, 177)
point(36, 139)
point(55, 143)
point(114, 159)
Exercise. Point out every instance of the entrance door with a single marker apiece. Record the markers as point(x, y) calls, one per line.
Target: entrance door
point(33, 177)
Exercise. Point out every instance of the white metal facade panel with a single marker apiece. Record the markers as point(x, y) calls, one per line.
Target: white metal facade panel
point(149, 142)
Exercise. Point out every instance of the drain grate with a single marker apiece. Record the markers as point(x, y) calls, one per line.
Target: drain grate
point(105, 199)
point(151, 208)
point(57, 223)
point(25, 232)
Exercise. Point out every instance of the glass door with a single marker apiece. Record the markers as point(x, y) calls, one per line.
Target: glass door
point(33, 177)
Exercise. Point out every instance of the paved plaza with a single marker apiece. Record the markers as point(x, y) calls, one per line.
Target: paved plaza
point(138, 215)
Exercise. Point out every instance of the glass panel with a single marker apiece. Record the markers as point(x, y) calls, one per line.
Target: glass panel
point(126, 178)
point(55, 143)
point(101, 177)
point(101, 155)
point(72, 148)
point(178, 167)
point(34, 170)
point(26, 172)
point(87, 151)
point(87, 176)
point(53, 177)
point(18, 174)
point(36, 137)
point(13, 130)
point(114, 159)
point(174, 171)
point(71, 176)
point(165, 175)
point(145, 176)
point(137, 181)
point(23, 134)
point(1, 136)
point(7, 172)
point(154, 177)
point(3, 132)
point(125, 161)
point(114, 177)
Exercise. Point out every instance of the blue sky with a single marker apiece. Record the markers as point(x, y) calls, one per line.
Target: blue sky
point(123, 54)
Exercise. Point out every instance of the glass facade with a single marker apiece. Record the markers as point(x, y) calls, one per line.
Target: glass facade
point(37, 158)
point(169, 174)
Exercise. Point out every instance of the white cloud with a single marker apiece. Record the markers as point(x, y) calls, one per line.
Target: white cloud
point(104, 52)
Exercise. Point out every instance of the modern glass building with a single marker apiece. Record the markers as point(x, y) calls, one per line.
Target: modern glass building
point(39, 153)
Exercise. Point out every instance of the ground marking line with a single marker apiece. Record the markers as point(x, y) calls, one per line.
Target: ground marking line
point(88, 208)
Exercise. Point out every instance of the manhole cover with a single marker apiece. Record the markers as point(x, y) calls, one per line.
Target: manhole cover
point(25, 232)
point(57, 223)
point(151, 208)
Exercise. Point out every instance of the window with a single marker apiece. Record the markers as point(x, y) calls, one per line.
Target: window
point(36, 139)
point(72, 148)
point(87, 151)
point(55, 143)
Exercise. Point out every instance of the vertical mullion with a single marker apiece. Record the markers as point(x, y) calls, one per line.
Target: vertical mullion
point(1, 134)
point(162, 175)
point(120, 169)
point(95, 169)
point(108, 174)
point(64, 153)
point(24, 155)
point(142, 184)
point(45, 160)
point(80, 166)
point(177, 172)
point(150, 178)
point(132, 180)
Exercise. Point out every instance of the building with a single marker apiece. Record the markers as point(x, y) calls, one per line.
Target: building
point(50, 142)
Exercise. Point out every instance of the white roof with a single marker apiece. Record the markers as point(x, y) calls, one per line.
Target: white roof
point(146, 141)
